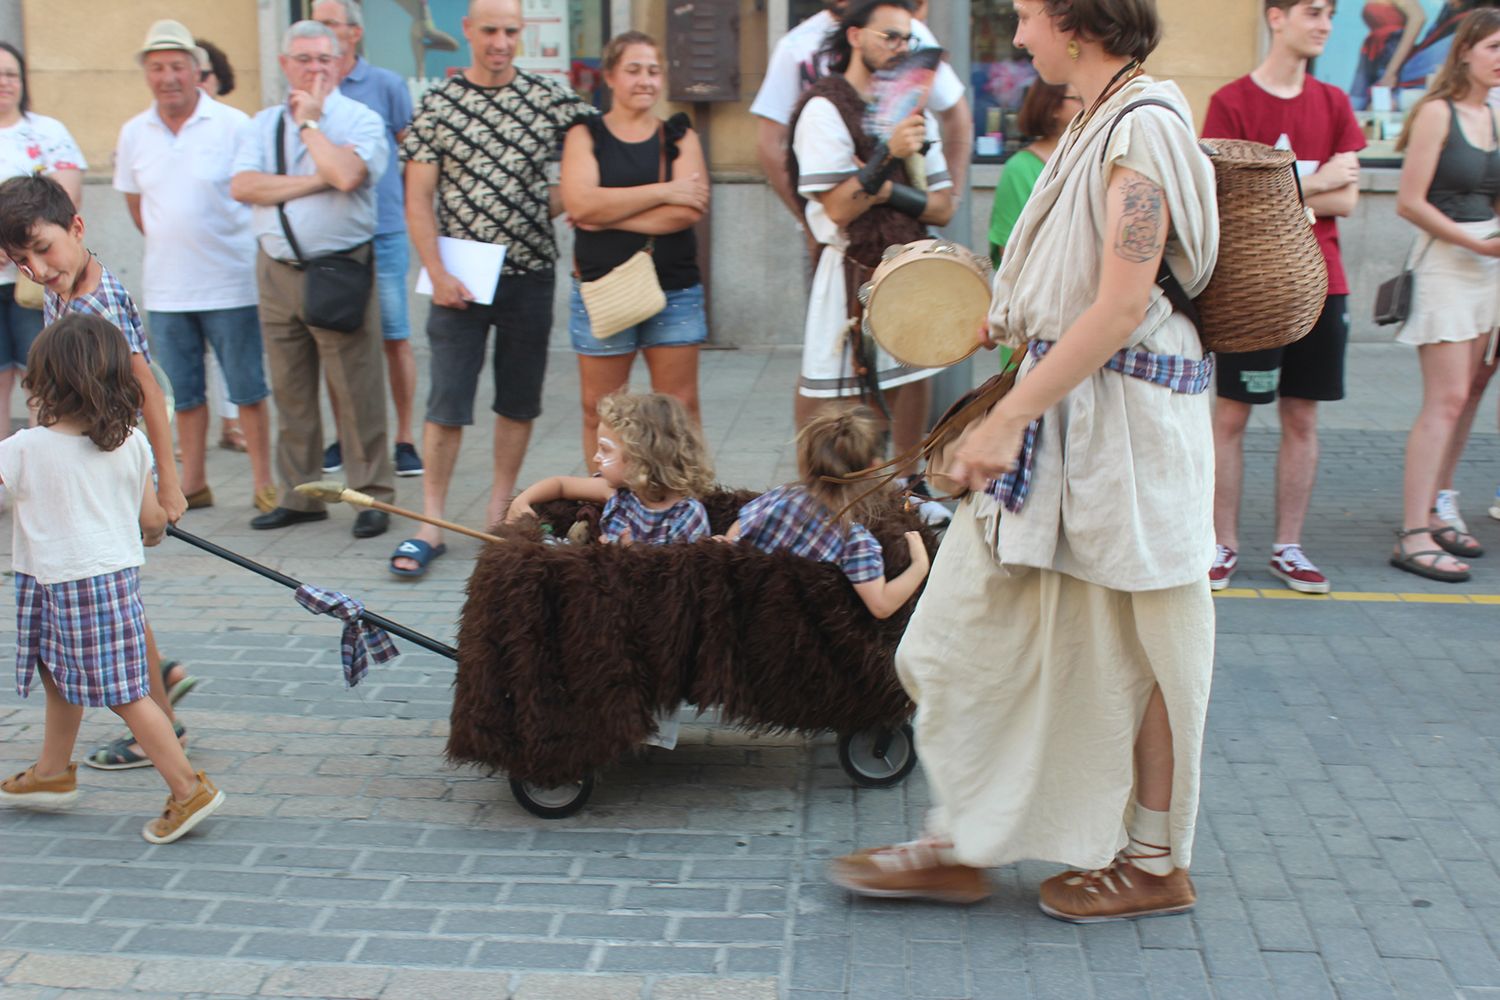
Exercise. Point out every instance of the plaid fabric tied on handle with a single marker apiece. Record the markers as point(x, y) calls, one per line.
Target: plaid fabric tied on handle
point(361, 642)
point(1170, 371)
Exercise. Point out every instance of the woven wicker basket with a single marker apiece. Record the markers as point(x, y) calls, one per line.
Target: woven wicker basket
point(1271, 280)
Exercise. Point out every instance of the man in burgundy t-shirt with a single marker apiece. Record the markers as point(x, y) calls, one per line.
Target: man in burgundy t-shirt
point(1280, 105)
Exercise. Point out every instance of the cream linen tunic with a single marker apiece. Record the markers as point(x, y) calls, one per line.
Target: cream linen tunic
point(1041, 634)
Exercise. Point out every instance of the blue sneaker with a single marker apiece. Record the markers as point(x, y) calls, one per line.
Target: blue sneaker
point(333, 458)
point(1495, 505)
point(408, 462)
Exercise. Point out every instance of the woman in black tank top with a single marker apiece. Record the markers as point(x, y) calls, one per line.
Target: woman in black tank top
point(631, 182)
point(1450, 183)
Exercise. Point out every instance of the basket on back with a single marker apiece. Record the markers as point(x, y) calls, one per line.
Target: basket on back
point(1271, 281)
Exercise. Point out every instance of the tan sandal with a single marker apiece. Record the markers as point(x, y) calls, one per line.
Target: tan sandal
point(917, 869)
point(1120, 891)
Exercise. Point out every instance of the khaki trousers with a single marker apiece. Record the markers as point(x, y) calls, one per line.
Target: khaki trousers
point(356, 374)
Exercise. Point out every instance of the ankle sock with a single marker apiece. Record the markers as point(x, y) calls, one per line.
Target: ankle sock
point(1150, 834)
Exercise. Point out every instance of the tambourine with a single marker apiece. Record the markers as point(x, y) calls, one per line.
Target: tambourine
point(926, 302)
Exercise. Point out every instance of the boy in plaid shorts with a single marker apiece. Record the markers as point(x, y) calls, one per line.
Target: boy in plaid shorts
point(800, 518)
point(84, 505)
point(41, 231)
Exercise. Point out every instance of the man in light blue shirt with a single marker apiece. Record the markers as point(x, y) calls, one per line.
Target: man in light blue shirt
point(334, 150)
point(386, 94)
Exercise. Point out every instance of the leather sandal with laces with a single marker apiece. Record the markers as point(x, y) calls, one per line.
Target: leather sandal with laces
point(916, 869)
point(1119, 892)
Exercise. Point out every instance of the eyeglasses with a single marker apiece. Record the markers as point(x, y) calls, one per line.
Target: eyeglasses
point(894, 40)
point(334, 25)
point(304, 60)
point(8, 74)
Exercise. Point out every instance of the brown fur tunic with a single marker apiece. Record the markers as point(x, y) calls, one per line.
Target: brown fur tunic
point(565, 652)
point(881, 226)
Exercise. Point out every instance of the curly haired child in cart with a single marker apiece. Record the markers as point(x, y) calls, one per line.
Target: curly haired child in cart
point(801, 517)
point(84, 504)
point(653, 467)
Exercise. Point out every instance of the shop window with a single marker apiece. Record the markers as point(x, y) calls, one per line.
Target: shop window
point(998, 78)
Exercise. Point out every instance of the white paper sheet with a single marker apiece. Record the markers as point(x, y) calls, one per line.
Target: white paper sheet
point(475, 264)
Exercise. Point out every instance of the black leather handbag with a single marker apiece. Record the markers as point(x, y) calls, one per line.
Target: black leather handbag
point(1394, 297)
point(336, 287)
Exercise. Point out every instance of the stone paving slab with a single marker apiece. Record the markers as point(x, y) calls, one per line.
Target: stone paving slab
point(1348, 845)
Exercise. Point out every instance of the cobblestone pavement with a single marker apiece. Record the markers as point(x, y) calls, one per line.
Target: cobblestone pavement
point(1348, 843)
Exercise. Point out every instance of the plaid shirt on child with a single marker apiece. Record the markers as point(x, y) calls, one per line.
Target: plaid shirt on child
point(1170, 371)
point(790, 519)
point(109, 301)
point(684, 521)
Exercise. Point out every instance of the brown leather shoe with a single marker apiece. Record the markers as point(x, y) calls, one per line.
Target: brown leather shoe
point(914, 870)
point(26, 789)
point(198, 499)
point(1120, 892)
point(180, 817)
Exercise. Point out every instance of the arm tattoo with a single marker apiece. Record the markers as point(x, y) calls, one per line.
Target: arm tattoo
point(1140, 237)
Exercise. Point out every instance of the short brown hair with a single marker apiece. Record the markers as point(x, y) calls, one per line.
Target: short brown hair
point(665, 448)
point(1285, 5)
point(614, 51)
point(836, 443)
point(1124, 27)
point(1037, 118)
point(79, 370)
point(29, 201)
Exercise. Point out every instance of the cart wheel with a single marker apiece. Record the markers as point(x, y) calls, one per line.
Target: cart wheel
point(878, 757)
point(552, 802)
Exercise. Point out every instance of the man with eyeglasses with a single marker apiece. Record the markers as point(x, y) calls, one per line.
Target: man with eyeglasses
point(322, 203)
point(860, 200)
point(798, 60)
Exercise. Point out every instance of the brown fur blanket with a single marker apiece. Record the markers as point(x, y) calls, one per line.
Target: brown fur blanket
point(565, 652)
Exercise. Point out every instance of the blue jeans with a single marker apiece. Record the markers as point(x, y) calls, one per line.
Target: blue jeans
point(18, 328)
point(680, 324)
point(392, 261)
point(180, 338)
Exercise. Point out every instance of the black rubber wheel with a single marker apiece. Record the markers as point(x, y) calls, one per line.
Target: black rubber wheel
point(878, 757)
point(555, 802)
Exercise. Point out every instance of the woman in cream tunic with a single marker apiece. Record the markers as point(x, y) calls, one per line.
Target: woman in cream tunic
point(1061, 655)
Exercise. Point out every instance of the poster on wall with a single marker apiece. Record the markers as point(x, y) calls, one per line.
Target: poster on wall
point(423, 39)
point(1382, 54)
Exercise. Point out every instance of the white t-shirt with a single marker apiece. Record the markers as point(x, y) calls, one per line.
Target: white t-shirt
point(77, 509)
point(35, 145)
point(200, 248)
point(795, 64)
point(825, 159)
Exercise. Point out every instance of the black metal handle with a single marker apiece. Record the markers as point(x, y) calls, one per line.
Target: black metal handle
point(395, 628)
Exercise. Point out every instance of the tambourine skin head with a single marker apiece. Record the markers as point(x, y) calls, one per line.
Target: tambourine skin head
point(925, 305)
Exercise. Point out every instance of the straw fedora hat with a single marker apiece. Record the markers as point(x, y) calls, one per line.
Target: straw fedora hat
point(171, 36)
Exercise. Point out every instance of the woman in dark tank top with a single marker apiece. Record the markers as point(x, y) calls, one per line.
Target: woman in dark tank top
point(632, 182)
point(1449, 185)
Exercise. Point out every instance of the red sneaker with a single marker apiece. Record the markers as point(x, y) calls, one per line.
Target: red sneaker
point(1226, 561)
point(1296, 571)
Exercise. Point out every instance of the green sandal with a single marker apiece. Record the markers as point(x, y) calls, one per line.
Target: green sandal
point(176, 692)
point(117, 755)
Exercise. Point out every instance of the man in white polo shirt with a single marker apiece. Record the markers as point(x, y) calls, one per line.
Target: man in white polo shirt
point(173, 162)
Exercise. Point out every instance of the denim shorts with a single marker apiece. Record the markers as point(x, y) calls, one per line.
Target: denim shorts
point(680, 324)
point(522, 318)
point(392, 261)
point(18, 328)
point(180, 339)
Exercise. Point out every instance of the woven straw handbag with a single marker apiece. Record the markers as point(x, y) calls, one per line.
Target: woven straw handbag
point(627, 295)
point(1271, 281)
point(29, 293)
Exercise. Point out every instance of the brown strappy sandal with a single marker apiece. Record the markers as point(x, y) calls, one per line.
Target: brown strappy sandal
point(1407, 561)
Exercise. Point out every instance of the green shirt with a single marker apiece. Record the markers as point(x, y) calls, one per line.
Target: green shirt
point(1016, 181)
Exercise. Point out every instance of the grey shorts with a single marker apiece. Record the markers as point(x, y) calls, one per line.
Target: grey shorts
point(522, 318)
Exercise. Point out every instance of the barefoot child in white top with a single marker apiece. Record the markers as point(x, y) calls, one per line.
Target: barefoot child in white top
point(653, 466)
point(84, 504)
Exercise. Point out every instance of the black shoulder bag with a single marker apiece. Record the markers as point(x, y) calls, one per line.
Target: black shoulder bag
point(335, 287)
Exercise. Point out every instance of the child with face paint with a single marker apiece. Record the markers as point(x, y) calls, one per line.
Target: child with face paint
point(800, 518)
point(653, 466)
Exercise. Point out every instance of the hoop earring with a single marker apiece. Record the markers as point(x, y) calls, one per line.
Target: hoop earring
point(1073, 50)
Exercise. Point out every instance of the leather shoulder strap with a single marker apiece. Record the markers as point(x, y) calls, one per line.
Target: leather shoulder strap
point(286, 227)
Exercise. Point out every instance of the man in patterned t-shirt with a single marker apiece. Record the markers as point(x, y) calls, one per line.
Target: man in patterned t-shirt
point(481, 144)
